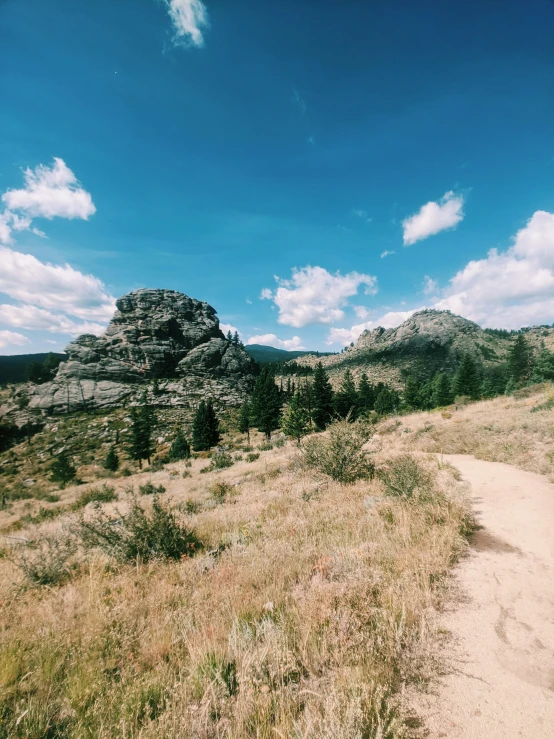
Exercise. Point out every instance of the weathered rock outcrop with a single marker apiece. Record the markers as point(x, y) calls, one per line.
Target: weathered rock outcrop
point(160, 334)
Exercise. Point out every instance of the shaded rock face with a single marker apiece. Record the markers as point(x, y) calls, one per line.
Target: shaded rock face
point(153, 334)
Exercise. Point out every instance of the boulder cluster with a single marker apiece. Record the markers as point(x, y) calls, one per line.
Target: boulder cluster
point(155, 335)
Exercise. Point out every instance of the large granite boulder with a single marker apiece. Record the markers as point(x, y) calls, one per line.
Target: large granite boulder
point(159, 334)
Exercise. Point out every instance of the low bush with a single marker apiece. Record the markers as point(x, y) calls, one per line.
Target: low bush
point(48, 562)
point(220, 490)
point(252, 456)
point(151, 489)
point(104, 494)
point(340, 454)
point(403, 475)
point(140, 534)
point(221, 460)
point(267, 446)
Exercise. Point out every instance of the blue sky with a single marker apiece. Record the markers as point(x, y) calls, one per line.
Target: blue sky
point(309, 168)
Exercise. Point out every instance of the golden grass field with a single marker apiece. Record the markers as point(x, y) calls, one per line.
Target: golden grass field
point(310, 611)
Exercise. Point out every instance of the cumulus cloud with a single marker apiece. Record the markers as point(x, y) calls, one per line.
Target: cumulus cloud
point(50, 192)
point(189, 19)
point(11, 338)
point(37, 319)
point(272, 340)
point(509, 289)
point(314, 295)
point(226, 327)
point(54, 287)
point(434, 217)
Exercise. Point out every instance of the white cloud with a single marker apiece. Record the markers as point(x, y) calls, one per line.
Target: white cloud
point(266, 293)
point(189, 19)
point(434, 217)
point(314, 295)
point(10, 338)
point(226, 327)
point(429, 285)
point(54, 287)
point(49, 192)
point(37, 319)
point(272, 340)
point(387, 253)
point(362, 312)
point(509, 289)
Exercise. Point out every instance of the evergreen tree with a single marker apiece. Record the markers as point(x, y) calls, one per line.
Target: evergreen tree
point(111, 462)
point(236, 339)
point(205, 427)
point(266, 403)
point(289, 391)
point(385, 401)
point(411, 394)
point(366, 395)
point(322, 410)
point(520, 360)
point(442, 394)
point(180, 448)
point(244, 419)
point(426, 395)
point(487, 388)
point(62, 470)
point(467, 381)
point(155, 386)
point(295, 421)
point(142, 425)
point(346, 398)
point(543, 370)
point(229, 336)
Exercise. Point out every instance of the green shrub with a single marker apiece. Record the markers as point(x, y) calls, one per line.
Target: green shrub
point(150, 489)
point(252, 456)
point(340, 454)
point(403, 475)
point(62, 470)
point(111, 462)
point(104, 494)
point(180, 448)
point(221, 460)
point(141, 534)
point(220, 490)
point(265, 447)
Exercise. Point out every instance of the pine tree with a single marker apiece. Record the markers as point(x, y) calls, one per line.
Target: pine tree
point(205, 427)
point(322, 398)
point(385, 402)
point(62, 470)
point(229, 336)
point(111, 462)
point(142, 424)
point(155, 386)
point(295, 421)
point(266, 403)
point(442, 394)
point(425, 396)
point(411, 394)
point(244, 419)
point(543, 370)
point(520, 360)
point(467, 381)
point(346, 398)
point(236, 339)
point(180, 448)
point(366, 395)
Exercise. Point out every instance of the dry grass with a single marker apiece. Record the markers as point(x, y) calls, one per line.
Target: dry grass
point(516, 430)
point(308, 611)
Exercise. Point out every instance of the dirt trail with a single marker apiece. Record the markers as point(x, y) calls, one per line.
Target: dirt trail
point(502, 682)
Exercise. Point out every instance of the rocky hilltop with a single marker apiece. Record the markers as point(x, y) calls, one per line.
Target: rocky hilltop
point(160, 335)
point(429, 341)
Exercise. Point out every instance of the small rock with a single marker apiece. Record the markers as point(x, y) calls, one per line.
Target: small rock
point(28, 483)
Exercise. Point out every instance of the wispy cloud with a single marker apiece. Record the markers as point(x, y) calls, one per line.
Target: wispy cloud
point(434, 217)
point(189, 19)
point(387, 253)
point(299, 101)
point(361, 213)
point(11, 338)
point(429, 285)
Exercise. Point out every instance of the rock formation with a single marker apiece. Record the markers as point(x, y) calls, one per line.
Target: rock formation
point(154, 334)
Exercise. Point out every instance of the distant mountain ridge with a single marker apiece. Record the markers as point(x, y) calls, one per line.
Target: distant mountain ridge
point(13, 368)
point(429, 341)
point(263, 354)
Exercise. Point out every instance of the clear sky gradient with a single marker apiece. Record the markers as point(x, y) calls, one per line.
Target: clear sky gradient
point(311, 168)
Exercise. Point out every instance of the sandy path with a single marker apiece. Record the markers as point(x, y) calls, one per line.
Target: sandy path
point(502, 683)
